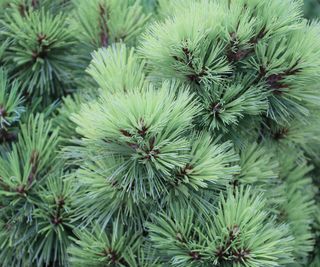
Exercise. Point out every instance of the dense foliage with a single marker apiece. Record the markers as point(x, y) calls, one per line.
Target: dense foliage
point(312, 9)
point(159, 133)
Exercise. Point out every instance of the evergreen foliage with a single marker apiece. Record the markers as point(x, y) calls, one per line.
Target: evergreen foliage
point(39, 51)
point(152, 133)
point(99, 23)
point(11, 107)
point(312, 9)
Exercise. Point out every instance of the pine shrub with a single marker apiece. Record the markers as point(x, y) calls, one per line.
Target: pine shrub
point(159, 133)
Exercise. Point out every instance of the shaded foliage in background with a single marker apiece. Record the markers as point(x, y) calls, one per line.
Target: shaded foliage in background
point(312, 9)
